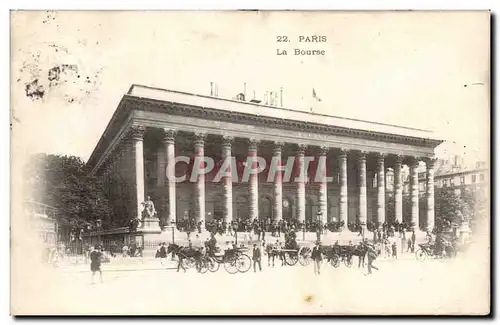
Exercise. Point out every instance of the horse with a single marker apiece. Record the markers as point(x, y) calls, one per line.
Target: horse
point(182, 252)
point(271, 254)
point(359, 251)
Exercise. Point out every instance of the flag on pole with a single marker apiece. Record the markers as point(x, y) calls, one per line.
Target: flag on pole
point(315, 96)
point(317, 99)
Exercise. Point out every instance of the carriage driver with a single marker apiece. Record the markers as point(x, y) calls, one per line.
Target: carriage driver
point(211, 244)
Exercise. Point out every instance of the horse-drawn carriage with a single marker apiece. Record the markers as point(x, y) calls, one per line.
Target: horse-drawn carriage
point(234, 259)
point(434, 250)
point(291, 253)
point(344, 253)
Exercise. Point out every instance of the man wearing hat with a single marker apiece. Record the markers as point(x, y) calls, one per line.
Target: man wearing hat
point(317, 258)
point(95, 262)
point(256, 257)
point(372, 255)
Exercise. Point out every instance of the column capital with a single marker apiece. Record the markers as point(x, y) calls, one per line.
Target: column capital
point(301, 148)
point(413, 161)
point(169, 135)
point(323, 150)
point(362, 154)
point(253, 144)
point(430, 162)
point(227, 141)
point(136, 132)
point(380, 156)
point(343, 153)
point(399, 159)
point(277, 146)
point(199, 138)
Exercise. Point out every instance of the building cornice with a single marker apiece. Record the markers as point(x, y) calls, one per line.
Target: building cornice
point(130, 103)
point(180, 109)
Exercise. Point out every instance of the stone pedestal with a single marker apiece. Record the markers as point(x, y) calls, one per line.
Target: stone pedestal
point(464, 232)
point(150, 224)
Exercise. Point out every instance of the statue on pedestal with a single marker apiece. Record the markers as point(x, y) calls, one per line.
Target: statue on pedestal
point(149, 210)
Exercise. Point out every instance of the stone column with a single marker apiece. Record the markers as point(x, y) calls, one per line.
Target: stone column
point(199, 185)
point(430, 193)
point(343, 187)
point(278, 180)
point(380, 189)
point(362, 189)
point(161, 208)
point(227, 181)
point(253, 181)
point(414, 191)
point(137, 133)
point(301, 184)
point(398, 190)
point(323, 186)
point(169, 143)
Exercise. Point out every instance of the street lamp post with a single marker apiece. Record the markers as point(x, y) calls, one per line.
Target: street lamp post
point(98, 222)
point(173, 231)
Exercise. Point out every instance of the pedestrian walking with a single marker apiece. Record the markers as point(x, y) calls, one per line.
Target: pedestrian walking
point(162, 253)
point(317, 258)
point(394, 250)
point(413, 240)
point(95, 263)
point(256, 257)
point(371, 255)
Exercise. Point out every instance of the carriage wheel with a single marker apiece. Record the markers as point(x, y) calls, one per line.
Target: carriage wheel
point(335, 261)
point(291, 258)
point(305, 256)
point(202, 266)
point(243, 263)
point(348, 261)
point(230, 265)
point(212, 264)
point(188, 262)
point(421, 255)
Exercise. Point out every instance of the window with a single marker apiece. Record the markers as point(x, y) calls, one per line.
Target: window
point(481, 177)
point(452, 182)
point(445, 183)
point(462, 180)
point(473, 178)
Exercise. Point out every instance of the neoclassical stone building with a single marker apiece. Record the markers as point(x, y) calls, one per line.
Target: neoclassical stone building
point(152, 126)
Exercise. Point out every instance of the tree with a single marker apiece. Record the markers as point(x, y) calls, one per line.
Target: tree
point(64, 183)
point(447, 205)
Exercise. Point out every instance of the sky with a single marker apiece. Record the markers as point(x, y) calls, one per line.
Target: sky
point(424, 70)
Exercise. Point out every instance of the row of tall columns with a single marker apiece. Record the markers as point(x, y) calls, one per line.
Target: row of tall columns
point(278, 186)
point(398, 190)
point(362, 189)
point(253, 181)
point(169, 143)
point(199, 186)
point(414, 191)
point(343, 187)
point(323, 185)
point(301, 185)
point(227, 179)
point(380, 189)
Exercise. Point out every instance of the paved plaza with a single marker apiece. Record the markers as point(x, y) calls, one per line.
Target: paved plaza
point(399, 285)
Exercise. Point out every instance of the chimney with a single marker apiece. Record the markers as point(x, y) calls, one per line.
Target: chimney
point(271, 98)
point(216, 93)
point(265, 98)
point(211, 88)
point(281, 96)
point(276, 99)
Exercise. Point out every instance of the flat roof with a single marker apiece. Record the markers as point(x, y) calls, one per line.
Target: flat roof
point(218, 103)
